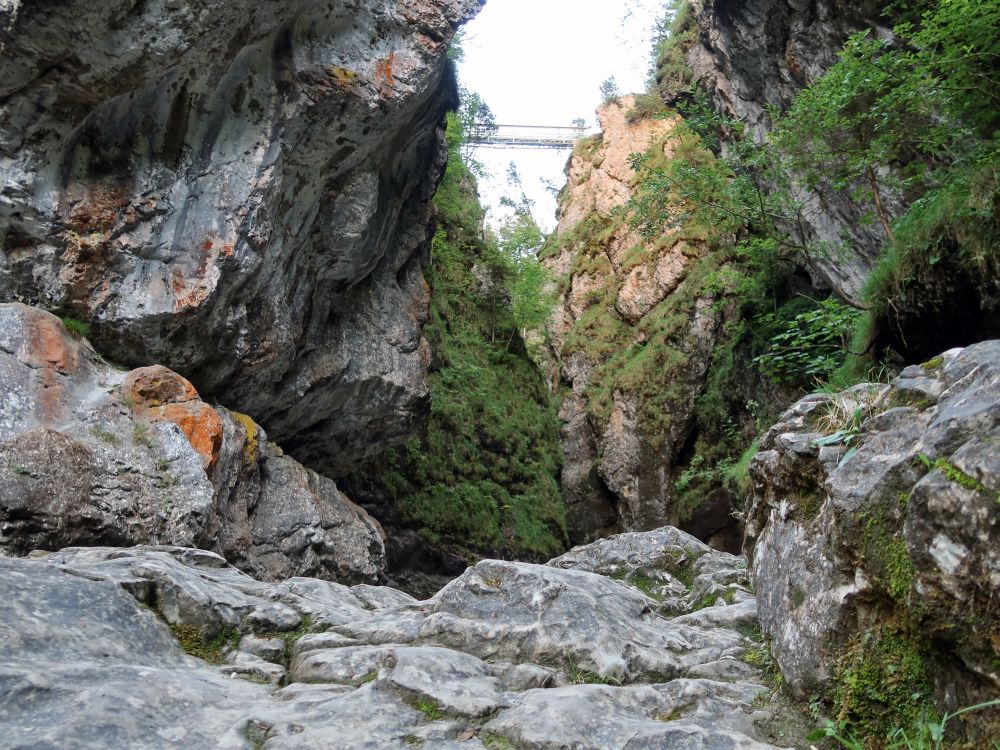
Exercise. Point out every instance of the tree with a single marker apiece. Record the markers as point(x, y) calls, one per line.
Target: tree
point(475, 120)
point(609, 91)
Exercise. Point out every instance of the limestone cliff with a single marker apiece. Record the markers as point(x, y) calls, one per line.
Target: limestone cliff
point(239, 191)
point(752, 55)
point(632, 335)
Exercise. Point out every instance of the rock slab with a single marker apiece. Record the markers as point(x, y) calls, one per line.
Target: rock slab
point(509, 655)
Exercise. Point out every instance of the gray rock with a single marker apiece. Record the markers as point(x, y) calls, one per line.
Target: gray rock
point(761, 53)
point(903, 527)
point(239, 191)
point(92, 455)
point(499, 656)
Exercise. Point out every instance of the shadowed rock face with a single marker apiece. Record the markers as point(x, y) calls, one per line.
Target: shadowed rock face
point(239, 191)
point(751, 54)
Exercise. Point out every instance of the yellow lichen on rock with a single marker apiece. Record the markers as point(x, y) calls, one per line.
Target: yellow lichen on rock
point(250, 447)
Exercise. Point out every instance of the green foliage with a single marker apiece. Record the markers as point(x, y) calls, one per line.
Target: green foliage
point(483, 477)
point(959, 477)
point(75, 326)
point(429, 707)
point(955, 223)
point(646, 106)
point(813, 344)
point(610, 93)
point(673, 76)
point(580, 676)
point(212, 650)
point(141, 435)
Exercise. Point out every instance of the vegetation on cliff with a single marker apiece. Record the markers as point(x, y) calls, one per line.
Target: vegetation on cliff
point(482, 478)
point(906, 124)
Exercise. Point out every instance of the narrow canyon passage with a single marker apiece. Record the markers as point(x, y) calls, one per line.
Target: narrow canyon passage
point(504, 375)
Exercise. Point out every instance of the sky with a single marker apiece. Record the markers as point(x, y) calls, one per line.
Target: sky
point(541, 62)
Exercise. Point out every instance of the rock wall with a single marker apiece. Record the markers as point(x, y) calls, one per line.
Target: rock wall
point(508, 655)
point(874, 537)
point(759, 53)
point(625, 306)
point(239, 191)
point(92, 454)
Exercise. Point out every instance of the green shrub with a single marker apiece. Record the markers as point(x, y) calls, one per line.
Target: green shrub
point(813, 344)
point(76, 326)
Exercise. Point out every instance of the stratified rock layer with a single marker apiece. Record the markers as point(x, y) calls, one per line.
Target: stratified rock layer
point(239, 191)
point(507, 655)
point(90, 454)
point(879, 508)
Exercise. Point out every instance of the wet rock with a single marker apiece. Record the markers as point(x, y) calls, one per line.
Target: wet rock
point(898, 531)
point(239, 192)
point(93, 455)
point(503, 655)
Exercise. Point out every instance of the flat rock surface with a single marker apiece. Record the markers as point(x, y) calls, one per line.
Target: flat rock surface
point(509, 655)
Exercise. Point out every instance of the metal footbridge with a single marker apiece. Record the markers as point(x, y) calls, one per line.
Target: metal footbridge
point(525, 136)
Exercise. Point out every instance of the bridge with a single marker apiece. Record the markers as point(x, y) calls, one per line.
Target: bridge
point(525, 136)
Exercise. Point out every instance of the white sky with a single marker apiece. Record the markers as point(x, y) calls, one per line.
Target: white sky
point(541, 62)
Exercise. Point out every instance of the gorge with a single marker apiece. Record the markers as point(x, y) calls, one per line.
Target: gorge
point(296, 450)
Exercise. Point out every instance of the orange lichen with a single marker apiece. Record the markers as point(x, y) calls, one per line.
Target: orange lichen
point(200, 423)
point(162, 395)
point(384, 75)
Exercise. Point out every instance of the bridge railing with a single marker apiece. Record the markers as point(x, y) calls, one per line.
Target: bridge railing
point(526, 136)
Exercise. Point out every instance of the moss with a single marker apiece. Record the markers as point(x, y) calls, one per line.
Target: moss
point(212, 650)
point(797, 596)
point(494, 741)
point(933, 364)
point(762, 658)
point(881, 682)
point(685, 575)
point(429, 707)
point(291, 637)
point(886, 559)
point(251, 446)
point(642, 582)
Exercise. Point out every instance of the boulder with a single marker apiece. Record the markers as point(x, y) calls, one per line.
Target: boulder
point(91, 454)
point(874, 535)
point(239, 191)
